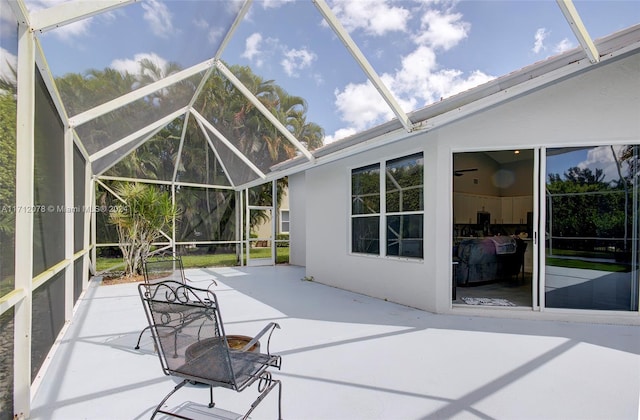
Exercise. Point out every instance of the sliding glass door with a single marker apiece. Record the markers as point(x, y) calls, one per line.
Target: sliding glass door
point(591, 228)
point(493, 228)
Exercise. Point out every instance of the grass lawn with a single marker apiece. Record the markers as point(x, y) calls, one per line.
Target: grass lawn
point(587, 265)
point(199, 261)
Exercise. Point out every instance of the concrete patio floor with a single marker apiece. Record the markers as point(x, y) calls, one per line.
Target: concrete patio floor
point(347, 356)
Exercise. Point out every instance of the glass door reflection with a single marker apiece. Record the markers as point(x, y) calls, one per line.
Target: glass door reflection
point(591, 228)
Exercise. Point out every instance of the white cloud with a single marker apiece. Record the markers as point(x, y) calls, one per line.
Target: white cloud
point(7, 61)
point(563, 46)
point(273, 4)
point(159, 18)
point(415, 69)
point(360, 104)
point(539, 38)
point(602, 158)
point(252, 50)
point(442, 29)
point(296, 60)
point(373, 17)
point(72, 31)
point(132, 66)
point(214, 35)
point(201, 24)
point(339, 134)
point(417, 83)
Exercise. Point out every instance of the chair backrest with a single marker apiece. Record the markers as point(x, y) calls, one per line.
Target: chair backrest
point(162, 269)
point(187, 327)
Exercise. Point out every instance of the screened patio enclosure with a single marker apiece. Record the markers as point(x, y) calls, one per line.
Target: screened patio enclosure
point(91, 96)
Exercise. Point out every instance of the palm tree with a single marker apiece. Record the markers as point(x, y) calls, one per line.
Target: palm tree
point(147, 212)
point(221, 104)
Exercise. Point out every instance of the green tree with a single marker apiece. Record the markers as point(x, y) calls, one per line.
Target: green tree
point(227, 110)
point(582, 204)
point(146, 213)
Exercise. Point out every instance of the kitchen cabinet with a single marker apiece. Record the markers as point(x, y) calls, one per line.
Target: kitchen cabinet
point(504, 210)
point(464, 208)
point(514, 209)
point(521, 206)
point(506, 213)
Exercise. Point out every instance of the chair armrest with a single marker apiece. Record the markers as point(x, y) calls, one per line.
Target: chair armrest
point(269, 328)
point(212, 281)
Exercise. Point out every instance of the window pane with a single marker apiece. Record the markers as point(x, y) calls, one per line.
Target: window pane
point(365, 235)
point(365, 190)
point(404, 180)
point(591, 246)
point(404, 235)
point(284, 221)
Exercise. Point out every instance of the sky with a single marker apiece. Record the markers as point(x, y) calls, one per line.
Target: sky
point(600, 157)
point(424, 50)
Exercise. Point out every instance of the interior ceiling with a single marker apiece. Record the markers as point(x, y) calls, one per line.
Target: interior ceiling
point(223, 146)
point(510, 156)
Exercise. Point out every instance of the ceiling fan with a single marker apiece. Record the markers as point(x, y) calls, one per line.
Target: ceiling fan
point(461, 172)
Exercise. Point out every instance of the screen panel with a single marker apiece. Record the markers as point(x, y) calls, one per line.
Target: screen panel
point(49, 185)
point(47, 319)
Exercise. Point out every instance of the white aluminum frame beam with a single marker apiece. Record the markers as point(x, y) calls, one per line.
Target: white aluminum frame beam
point(24, 227)
point(138, 94)
point(165, 182)
point(368, 69)
point(239, 18)
point(140, 143)
point(579, 30)
point(227, 143)
point(20, 11)
point(223, 45)
point(47, 76)
point(263, 110)
point(137, 134)
point(180, 146)
point(65, 13)
point(69, 224)
point(215, 151)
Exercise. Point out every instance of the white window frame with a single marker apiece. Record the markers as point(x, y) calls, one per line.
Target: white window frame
point(382, 214)
point(280, 229)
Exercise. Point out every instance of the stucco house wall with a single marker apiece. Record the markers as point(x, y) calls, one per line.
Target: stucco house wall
point(598, 106)
point(297, 219)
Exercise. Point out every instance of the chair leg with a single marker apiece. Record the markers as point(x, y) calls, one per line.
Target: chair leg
point(140, 337)
point(211, 403)
point(158, 408)
point(263, 395)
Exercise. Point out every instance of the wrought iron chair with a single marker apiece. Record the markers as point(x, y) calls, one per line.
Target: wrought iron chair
point(192, 344)
point(160, 269)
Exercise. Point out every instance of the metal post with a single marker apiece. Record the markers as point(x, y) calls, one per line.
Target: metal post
point(24, 221)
